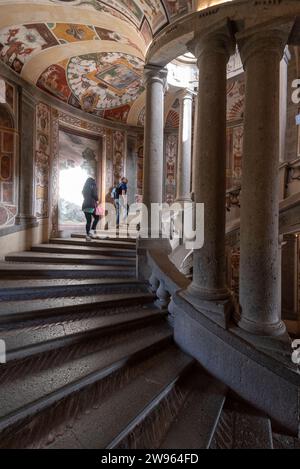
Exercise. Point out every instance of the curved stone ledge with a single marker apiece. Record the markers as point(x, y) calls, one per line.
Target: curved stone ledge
point(173, 40)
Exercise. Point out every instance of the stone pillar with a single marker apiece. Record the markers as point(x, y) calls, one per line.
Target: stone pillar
point(261, 51)
point(183, 182)
point(212, 50)
point(155, 81)
point(283, 99)
point(26, 213)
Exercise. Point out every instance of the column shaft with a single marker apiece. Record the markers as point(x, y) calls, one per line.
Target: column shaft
point(259, 270)
point(154, 135)
point(209, 163)
point(183, 189)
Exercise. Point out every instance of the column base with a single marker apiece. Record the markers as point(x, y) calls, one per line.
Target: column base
point(218, 308)
point(260, 329)
point(205, 294)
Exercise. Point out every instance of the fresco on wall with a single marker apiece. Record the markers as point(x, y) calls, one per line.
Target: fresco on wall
point(78, 159)
point(234, 147)
point(42, 160)
point(141, 118)
point(235, 130)
point(19, 43)
point(8, 207)
point(235, 99)
point(170, 167)
point(119, 142)
point(172, 119)
point(140, 168)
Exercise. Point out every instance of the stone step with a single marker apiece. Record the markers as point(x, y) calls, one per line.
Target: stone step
point(73, 271)
point(54, 288)
point(79, 259)
point(97, 251)
point(30, 339)
point(196, 421)
point(110, 238)
point(107, 422)
point(11, 311)
point(285, 441)
point(23, 395)
point(96, 244)
point(241, 427)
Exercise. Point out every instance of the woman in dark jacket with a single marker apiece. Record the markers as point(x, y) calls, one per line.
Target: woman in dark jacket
point(90, 202)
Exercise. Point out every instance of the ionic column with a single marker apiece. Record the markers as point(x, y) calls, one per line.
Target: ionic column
point(212, 50)
point(183, 183)
point(155, 81)
point(261, 51)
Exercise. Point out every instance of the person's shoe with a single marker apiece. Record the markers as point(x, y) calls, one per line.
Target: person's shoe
point(88, 238)
point(93, 234)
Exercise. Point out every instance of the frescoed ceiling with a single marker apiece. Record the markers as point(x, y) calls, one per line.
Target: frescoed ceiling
point(87, 53)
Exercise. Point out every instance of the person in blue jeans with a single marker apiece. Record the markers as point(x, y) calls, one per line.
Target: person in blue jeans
point(90, 202)
point(121, 200)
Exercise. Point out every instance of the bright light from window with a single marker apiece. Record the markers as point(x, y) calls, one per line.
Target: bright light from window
point(71, 182)
point(202, 4)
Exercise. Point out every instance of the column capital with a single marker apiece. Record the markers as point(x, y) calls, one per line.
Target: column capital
point(155, 73)
point(265, 38)
point(217, 39)
point(186, 94)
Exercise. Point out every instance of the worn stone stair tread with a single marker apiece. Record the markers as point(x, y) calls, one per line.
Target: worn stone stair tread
point(15, 284)
point(242, 427)
point(23, 397)
point(128, 240)
point(29, 340)
point(47, 288)
point(48, 270)
point(69, 249)
point(285, 441)
point(196, 421)
point(29, 256)
point(106, 426)
point(16, 310)
point(96, 243)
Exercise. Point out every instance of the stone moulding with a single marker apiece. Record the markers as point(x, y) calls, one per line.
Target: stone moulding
point(173, 40)
point(257, 369)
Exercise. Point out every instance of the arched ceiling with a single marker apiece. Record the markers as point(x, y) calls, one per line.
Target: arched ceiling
point(87, 53)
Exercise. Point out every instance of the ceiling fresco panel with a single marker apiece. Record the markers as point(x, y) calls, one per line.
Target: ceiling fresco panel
point(116, 79)
point(19, 43)
point(87, 53)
